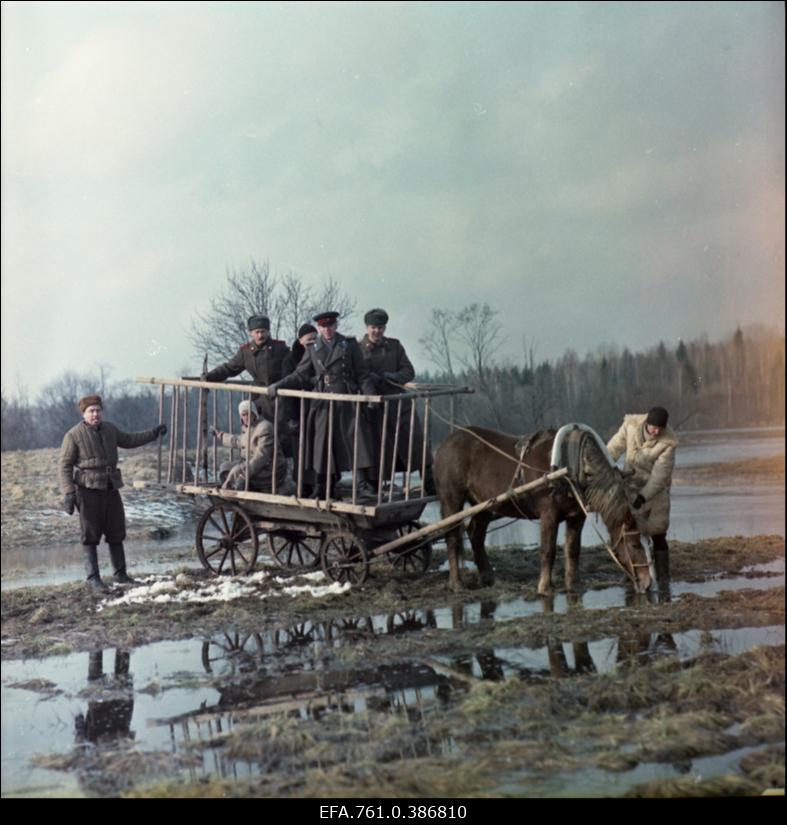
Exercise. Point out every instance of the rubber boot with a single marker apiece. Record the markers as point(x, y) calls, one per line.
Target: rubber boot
point(366, 489)
point(118, 557)
point(429, 485)
point(91, 568)
point(661, 561)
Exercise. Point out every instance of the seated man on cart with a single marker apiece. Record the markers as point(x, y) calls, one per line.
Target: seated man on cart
point(233, 474)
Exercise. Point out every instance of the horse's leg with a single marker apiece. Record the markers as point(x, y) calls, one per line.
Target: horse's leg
point(549, 524)
point(574, 526)
point(453, 542)
point(476, 529)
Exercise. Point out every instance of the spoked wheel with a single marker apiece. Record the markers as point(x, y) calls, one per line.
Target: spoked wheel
point(227, 540)
point(344, 558)
point(294, 550)
point(411, 560)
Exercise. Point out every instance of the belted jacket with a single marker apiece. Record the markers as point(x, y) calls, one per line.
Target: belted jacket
point(340, 368)
point(388, 364)
point(89, 455)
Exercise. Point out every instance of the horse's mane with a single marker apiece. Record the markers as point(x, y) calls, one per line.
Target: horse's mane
point(605, 490)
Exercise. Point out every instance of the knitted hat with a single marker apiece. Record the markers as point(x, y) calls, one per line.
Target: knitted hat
point(246, 406)
point(304, 329)
point(657, 417)
point(90, 401)
point(376, 318)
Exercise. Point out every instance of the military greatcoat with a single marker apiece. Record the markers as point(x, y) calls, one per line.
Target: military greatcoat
point(334, 369)
point(266, 365)
point(390, 369)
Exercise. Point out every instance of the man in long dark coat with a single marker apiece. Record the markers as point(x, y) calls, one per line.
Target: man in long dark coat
point(334, 364)
point(390, 369)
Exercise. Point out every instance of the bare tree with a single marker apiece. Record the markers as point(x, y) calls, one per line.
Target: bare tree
point(286, 300)
point(480, 331)
point(437, 342)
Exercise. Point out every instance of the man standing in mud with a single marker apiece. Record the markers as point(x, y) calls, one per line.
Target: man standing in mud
point(90, 480)
point(390, 369)
point(649, 445)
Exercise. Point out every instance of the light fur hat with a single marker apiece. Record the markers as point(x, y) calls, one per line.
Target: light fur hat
point(246, 406)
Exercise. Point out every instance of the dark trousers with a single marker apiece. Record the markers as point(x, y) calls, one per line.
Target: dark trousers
point(101, 513)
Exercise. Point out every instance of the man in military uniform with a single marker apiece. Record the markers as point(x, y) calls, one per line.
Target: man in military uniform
point(91, 481)
point(263, 358)
point(333, 364)
point(390, 369)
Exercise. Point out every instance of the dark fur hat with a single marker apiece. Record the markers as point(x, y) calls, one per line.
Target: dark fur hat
point(90, 401)
point(258, 322)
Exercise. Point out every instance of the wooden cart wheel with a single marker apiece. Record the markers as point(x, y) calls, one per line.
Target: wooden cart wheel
point(344, 558)
point(231, 650)
point(227, 540)
point(414, 560)
point(408, 620)
point(294, 549)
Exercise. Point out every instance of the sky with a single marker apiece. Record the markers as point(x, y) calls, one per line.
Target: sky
point(598, 173)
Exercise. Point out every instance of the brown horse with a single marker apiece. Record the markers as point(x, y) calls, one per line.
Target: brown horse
point(469, 468)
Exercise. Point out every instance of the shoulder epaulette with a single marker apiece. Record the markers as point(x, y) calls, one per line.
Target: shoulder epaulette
point(247, 345)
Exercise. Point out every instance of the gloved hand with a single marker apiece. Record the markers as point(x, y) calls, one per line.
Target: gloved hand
point(390, 376)
point(375, 378)
point(70, 503)
point(161, 429)
point(272, 390)
point(638, 502)
point(214, 432)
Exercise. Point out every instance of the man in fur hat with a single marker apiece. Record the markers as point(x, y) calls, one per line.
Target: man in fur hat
point(390, 369)
point(649, 446)
point(90, 480)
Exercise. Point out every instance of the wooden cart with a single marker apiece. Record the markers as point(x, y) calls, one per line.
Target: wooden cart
point(341, 534)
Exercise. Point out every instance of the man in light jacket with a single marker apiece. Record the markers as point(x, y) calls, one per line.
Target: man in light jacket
point(649, 446)
point(261, 443)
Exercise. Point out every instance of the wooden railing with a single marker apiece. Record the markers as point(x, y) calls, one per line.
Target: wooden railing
point(393, 405)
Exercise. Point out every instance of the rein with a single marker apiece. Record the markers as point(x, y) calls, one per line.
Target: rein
point(630, 571)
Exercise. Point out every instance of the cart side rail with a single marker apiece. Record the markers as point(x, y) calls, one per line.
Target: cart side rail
point(206, 474)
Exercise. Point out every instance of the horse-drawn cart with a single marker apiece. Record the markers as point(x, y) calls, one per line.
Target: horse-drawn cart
point(342, 532)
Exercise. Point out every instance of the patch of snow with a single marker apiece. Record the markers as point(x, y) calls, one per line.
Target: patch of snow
point(164, 590)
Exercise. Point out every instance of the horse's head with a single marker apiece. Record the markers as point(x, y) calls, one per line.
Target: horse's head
point(630, 552)
point(607, 495)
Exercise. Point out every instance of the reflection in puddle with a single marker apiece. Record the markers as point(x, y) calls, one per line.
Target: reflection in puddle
point(167, 697)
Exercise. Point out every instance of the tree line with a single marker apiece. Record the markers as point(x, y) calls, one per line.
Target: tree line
point(736, 382)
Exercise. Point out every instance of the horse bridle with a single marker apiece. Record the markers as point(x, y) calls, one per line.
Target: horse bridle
point(631, 571)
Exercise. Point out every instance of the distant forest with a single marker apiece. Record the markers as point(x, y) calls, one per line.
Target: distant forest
point(737, 382)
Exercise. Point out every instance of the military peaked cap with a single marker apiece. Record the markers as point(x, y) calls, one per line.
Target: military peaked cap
point(325, 318)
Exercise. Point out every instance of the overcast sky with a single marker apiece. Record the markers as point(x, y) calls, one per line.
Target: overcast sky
point(597, 172)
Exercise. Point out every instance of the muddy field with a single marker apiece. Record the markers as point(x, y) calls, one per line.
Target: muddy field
point(288, 670)
point(284, 687)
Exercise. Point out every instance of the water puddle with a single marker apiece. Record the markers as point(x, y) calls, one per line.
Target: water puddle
point(165, 697)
